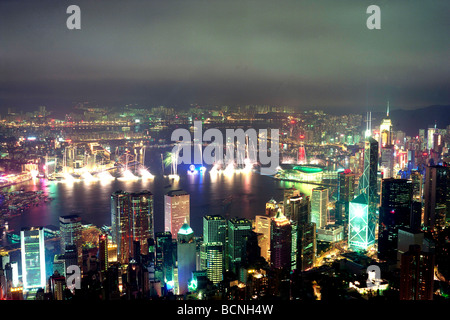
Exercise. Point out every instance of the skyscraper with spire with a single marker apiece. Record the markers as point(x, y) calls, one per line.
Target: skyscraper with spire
point(386, 130)
point(363, 209)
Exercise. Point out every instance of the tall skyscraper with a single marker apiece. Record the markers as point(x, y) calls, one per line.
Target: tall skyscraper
point(271, 208)
point(395, 212)
point(214, 229)
point(346, 193)
point(212, 260)
point(143, 218)
point(363, 208)
point(131, 220)
point(176, 210)
point(361, 231)
point(186, 257)
point(262, 228)
point(280, 242)
point(368, 183)
point(303, 239)
point(238, 231)
point(103, 252)
point(70, 228)
point(386, 134)
point(436, 195)
point(430, 136)
point(287, 195)
point(165, 258)
point(416, 274)
point(319, 206)
point(33, 258)
point(387, 161)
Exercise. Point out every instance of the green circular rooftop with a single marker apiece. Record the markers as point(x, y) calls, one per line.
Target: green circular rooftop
point(308, 169)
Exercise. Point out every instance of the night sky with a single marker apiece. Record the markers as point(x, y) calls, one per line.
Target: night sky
point(174, 53)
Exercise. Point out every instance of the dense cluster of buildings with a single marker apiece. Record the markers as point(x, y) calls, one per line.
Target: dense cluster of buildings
point(390, 208)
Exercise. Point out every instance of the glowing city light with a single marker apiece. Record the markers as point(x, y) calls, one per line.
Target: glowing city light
point(127, 175)
point(145, 174)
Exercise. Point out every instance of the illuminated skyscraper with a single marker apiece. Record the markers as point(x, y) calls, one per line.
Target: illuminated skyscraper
point(363, 208)
point(303, 239)
point(436, 195)
point(33, 258)
point(103, 251)
point(416, 274)
point(211, 260)
point(287, 195)
point(361, 231)
point(262, 228)
point(165, 258)
point(346, 193)
point(395, 212)
point(176, 210)
point(271, 208)
point(214, 229)
point(386, 134)
point(280, 242)
point(70, 228)
point(186, 257)
point(131, 220)
point(238, 232)
point(319, 206)
point(430, 136)
point(143, 218)
point(387, 161)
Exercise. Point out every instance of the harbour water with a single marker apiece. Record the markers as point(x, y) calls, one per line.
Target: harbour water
point(236, 195)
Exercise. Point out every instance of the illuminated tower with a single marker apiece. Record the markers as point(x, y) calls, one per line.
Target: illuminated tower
point(70, 228)
point(361, 229)
point(287, 194)
point(186, 257)
point(386, 130)
point(262, 229)
point(436, 195)
point(143, 218)
point(214, 229)
point(346, 193)
point(238, 232)
point(131, 220)
point(103, 251)
point(120, 224)
point(211, 260)
point(387, 161)
point(165, 258)
point(319, 206)
point(33, 258)
point(363, 209)
point(395, 212)
point(301, 156)
point(271, 208)
point(280, 242)
point(303, 238)
point(176, 210)
point(416, 274)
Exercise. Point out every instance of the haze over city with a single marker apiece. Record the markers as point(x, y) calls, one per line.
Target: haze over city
point(301, 54)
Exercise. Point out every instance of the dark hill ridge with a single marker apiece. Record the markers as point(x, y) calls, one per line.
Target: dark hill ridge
point(410, 121)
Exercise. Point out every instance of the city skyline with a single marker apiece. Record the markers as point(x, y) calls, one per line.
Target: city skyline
point(294, 53)
point(134, 153)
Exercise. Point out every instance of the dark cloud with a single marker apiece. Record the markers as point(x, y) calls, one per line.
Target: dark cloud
point(299, 53)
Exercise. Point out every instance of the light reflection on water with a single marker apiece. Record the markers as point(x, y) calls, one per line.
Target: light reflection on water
point(209, 194)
